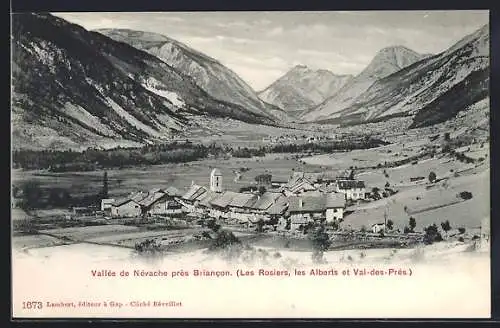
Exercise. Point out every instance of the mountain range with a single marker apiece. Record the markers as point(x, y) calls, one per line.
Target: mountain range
point(77, 88)
point(387, 61)
point(71, 87)
point(431, 90)
point(208, 73)
point(302, 88)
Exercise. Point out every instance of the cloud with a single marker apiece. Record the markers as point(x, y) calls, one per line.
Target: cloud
point(262, 46)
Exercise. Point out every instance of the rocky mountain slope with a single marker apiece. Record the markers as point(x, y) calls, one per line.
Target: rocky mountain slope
point(302, 88)
point(432, 90)
point(209, 74)
point(72, 87)
point(387, 61)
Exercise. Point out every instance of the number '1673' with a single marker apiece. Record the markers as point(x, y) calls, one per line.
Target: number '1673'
point(32, 305)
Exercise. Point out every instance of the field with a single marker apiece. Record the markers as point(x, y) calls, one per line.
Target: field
point(428, 202)
point(125, 181)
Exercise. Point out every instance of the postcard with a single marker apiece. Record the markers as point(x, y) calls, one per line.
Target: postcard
point(251, 164)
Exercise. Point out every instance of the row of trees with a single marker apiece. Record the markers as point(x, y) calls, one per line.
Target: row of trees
point(91, 159)
point(61, 161)
point(31, 195)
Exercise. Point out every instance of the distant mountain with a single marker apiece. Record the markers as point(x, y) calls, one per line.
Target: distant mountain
point(72, 87)
point(432, 90)
point(302, 88)
point(209, 74)
point(386, 62)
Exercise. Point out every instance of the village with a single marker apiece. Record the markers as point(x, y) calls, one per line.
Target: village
point(283, 206)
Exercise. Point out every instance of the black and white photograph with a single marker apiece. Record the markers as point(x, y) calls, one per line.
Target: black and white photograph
point(251, 164)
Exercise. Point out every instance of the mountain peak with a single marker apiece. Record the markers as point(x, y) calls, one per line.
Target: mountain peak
point(389, 60)
point(300, 67)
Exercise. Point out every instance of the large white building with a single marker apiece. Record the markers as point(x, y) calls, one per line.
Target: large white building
point(352, 189)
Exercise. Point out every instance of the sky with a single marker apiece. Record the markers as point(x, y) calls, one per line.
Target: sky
point(262, 46)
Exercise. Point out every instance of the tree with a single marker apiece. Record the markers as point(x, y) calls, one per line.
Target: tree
point(105, 185)
point(432, 177)
point(32, 193)
point(465, 195)
point(412, 224)
point(387, 185)
point(390, 224)
point(320, 242)
point(446, 226)
point(432, 234)
point(461, 230)
point(447, 136)
point(260, 225)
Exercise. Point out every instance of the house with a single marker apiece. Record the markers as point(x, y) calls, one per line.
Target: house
point(240, 208)
point(126, 207)
point(297, 186)
point(378, 227)
point(352, 189)
point(334, 207)
point(107, 204)
point(265, 201)
point(277, 212)
point(305, 209)
point(192, 197)
point(317, 179)
point(203, 204)
point(160, 202)
point(297, 222)
point(220, 205)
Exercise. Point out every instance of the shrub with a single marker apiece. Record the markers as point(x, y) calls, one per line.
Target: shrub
point(224, 239)
point(211, 224)
point(387, 184)
point(461, 230)
point(432, 234)
point(432, 177)
point(461, 239)
point(148, 246)
point(465, 195)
